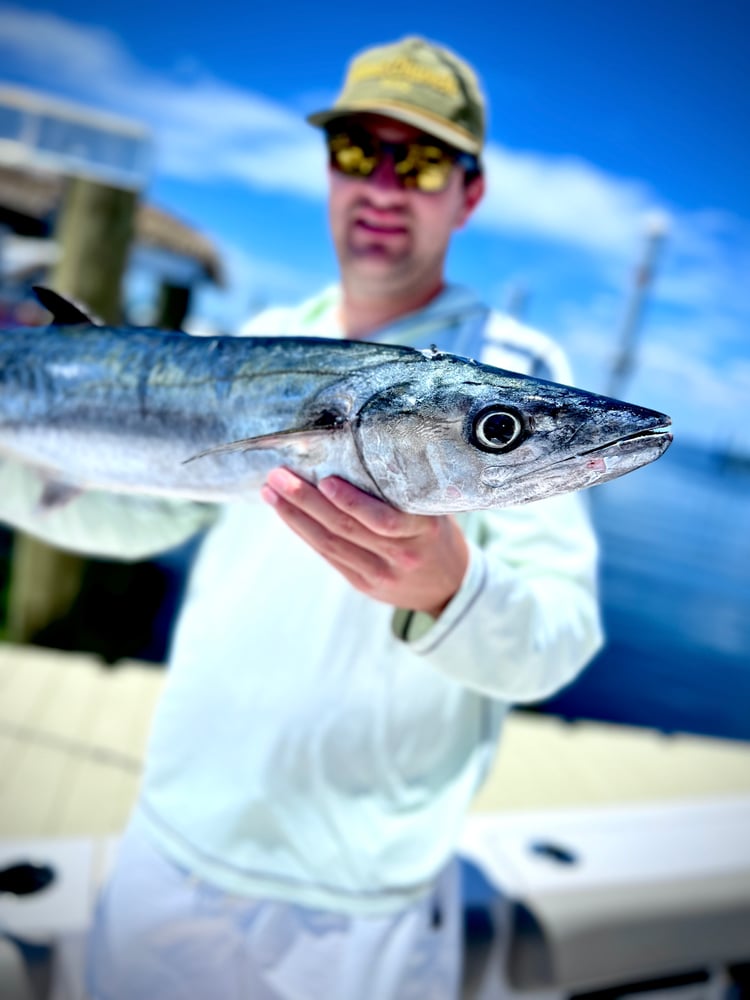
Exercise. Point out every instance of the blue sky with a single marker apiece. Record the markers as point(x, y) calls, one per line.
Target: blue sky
point(601, 116)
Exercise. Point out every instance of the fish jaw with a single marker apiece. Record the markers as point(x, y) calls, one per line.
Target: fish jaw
point(589, 468)
point(629, 453)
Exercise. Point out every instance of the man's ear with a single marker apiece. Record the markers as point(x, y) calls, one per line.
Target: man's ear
point(473, 194)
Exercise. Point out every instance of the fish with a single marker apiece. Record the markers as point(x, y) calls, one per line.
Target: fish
point(147, 411)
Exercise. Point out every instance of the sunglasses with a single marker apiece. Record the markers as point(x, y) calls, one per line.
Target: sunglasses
point(425, 166)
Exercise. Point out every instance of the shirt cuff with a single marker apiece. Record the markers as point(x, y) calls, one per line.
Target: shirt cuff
point(420, 630)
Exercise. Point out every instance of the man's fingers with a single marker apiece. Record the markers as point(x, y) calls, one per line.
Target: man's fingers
point(301, 494)
point(358, 564)
point(403, 559)
point(374, 514)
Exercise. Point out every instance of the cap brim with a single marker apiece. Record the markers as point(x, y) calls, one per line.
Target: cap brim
point(454, 135)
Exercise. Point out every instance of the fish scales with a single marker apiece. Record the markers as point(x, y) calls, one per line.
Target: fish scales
point(205, 418)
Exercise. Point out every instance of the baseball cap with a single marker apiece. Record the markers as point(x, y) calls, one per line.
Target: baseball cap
point(417, 82)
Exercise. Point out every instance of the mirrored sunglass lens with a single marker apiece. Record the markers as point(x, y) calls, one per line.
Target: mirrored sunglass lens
point(426, 168)
point(353, 160)
point(351, 157)
point(434, 177)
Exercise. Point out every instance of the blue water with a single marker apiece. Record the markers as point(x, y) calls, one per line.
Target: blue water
point(675, 588)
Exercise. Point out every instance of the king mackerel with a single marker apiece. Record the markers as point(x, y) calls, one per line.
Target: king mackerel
point(140, 410)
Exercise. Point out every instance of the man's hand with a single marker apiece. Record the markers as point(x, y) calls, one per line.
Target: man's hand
point(406, 560)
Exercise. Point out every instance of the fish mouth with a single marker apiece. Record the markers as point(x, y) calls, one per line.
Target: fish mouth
point(660, 436)
point(588, 467)
point(617, 456)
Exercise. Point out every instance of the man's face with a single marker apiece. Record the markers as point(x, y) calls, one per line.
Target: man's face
point(390, 239)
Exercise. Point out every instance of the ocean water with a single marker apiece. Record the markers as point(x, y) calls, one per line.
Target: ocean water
point(675, 590)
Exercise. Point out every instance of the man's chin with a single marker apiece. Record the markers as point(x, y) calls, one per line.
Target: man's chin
point(378, 275)
point(378, 256)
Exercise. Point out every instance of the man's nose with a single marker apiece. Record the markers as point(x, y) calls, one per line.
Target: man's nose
point(384, 176)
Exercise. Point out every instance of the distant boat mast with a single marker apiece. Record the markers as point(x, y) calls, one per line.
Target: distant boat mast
point(518, 300)
point(657, 228)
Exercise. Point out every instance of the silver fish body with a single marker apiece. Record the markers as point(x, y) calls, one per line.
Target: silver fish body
point(144, 411)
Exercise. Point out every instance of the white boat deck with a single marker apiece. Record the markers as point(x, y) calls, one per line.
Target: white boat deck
point(73, 735)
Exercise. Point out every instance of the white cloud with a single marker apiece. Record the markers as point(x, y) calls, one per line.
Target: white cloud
point(57, 50)
point(252, 284)
point(706, 263)
point(563, 199)
point(675, 371)
point(706, 402)
point(293, 166)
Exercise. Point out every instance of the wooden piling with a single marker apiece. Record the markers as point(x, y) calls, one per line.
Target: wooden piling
point(94, 230)
point(173, 307)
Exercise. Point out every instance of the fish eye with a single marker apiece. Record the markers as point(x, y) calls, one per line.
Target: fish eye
point(497, 429)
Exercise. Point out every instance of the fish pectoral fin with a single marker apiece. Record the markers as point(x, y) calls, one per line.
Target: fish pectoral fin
point(298, 440)
point(64, 311)
point(56, 494)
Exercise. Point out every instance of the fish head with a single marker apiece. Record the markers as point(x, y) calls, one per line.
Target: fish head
point(458, 435)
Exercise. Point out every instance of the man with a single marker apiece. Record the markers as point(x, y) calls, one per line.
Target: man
point(336, 692)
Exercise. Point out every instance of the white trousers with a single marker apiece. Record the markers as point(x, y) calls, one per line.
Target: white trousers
point(162, 934)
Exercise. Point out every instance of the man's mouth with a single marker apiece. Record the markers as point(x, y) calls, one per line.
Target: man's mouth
point(381, 229)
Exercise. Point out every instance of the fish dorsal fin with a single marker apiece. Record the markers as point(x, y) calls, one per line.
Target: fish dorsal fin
point(64, 311)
